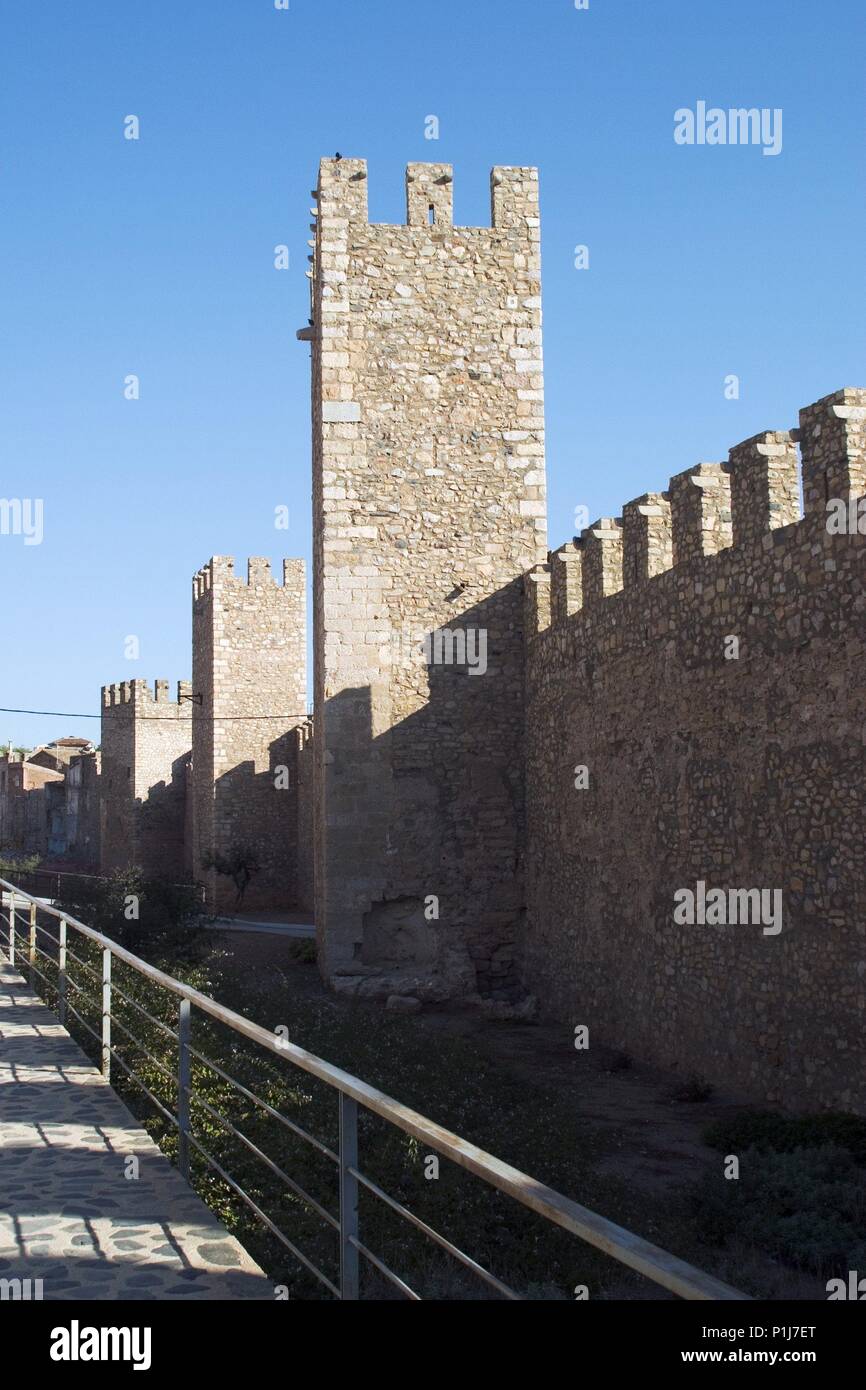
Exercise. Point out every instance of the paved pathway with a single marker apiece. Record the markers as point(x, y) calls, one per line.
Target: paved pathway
point(300, 930)
point(68, 1214)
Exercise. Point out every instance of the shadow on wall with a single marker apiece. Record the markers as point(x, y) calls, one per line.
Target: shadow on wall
point(421, 888)
point(161, 816)
point(258, 810)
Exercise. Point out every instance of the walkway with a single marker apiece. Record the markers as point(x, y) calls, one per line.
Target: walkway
point(267, 924)
point(69, 1214)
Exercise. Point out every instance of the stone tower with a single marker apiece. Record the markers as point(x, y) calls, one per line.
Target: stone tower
point(249, 689)
point(146, 740)
point(429, 504)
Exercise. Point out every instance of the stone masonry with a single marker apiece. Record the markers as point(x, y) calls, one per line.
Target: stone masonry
point(521, 759)
point(428, 506)
point(249, 688)
point(145, 751)
point(25, 810)
point(738, 767)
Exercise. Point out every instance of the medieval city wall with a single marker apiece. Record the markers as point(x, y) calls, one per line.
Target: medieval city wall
point(249, 684)
point(83, 816)
point(25, 806)
point(428, 506)
point(742, 771)
point(146, 740)
point(304, 753)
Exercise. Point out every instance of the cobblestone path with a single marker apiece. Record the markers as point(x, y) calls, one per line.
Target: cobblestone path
point(68, 1214)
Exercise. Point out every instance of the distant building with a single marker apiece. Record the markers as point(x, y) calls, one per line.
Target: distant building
point(49, 802)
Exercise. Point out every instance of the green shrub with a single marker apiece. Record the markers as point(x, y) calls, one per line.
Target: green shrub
point(806, 1207)
point(770, 1132)
point(139, 911)
point(303, 951)
point(14, 862)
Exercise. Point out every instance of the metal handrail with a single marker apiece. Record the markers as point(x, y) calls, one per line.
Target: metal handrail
point(647, 1259)
point(58, 874)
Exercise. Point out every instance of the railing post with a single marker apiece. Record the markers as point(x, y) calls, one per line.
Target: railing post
point(348, 1197)
point(12, 929)
point(106, 1013)
point(61, 973)
point(183, 1079)
point(32, 950)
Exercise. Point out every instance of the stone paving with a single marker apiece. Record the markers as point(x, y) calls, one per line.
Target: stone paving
point(68, 1213)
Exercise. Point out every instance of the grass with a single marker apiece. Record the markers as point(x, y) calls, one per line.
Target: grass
point(754, 1233)
point(446, 1080)
point(768, 1131)
point(805, 1207)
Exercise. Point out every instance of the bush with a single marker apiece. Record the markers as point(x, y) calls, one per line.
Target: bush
point(769, 1132)
point(14, 862)
point(302, 951)
point(169, 918)
point(806, 1207)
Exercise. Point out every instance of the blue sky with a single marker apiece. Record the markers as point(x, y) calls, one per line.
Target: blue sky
point(155, 257)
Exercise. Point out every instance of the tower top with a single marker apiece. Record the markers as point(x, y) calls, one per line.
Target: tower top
point(342, 193)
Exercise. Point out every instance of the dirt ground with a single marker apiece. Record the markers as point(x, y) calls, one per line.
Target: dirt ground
point(650, 1141)
point(657, 1140)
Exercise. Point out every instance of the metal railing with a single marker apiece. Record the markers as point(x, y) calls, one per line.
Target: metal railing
point(47, 883)
point(649, 1260)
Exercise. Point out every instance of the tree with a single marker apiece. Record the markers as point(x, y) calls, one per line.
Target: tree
point(240, 864)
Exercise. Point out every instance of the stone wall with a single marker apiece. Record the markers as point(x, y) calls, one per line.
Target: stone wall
point(146, 739)
point(428, 506)
point(82, 811)
point(249, 682)
point(305, 767)
point(739, 771)
point(25, 808)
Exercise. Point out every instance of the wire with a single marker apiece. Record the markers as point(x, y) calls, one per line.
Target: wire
point(154, 718)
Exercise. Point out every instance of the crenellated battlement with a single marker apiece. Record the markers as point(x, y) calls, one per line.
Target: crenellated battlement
point(832, 439)
point(428, 496)
point(341, 197)
point(137, 695)
point(249, 679)
point(146, 737)
point(710, 509)
point(219, 573)
point(672, 697)
point(647, 538)
point(694, 715)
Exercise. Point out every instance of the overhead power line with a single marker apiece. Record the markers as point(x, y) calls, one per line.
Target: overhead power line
point(154, 718)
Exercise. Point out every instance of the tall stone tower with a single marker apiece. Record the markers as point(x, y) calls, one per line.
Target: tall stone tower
point(249, 689)
point(429, 505)
point(146, 740)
